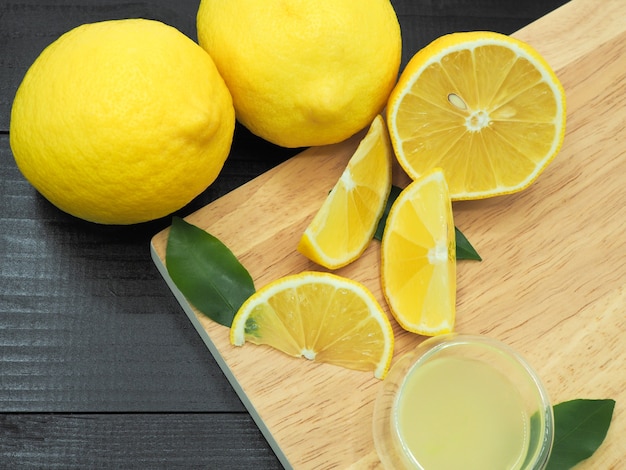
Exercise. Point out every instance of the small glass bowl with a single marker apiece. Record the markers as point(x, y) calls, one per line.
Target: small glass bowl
point(390, 442)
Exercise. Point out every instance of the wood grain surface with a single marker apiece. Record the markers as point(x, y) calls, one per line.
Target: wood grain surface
point(551, 283)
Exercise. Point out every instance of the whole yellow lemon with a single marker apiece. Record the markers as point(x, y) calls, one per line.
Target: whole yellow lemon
point(122, 121)
point(302, 72)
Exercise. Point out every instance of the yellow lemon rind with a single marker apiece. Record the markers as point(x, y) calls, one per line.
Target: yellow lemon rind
point(296, 70)
point(90, 131)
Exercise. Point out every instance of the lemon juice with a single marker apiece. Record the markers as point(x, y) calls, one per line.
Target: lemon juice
point(457, 412)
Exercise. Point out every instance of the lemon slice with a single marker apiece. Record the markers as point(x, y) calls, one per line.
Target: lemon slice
point(419, 257)
point(320, 316)
point(346, 222)
point(485, 107)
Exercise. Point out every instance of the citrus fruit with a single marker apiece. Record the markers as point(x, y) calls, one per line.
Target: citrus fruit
point(485, 107)
point(122, 121)
point(303, 73)
point(418, 266)
point(346, 222)
point(320, 316)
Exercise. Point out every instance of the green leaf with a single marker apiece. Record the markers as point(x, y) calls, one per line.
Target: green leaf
point(393, 195)
point(464, 249)
point(207, 273)
point(580, 426)
point(536, 440)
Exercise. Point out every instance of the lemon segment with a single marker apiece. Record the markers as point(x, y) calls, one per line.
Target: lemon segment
point(319, 316)
point(484, 107)
point(346, 222)
point(418, 267)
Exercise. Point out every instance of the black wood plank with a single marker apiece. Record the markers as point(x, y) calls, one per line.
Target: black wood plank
point(86, 321)
point(424, 21)
point(142, 441)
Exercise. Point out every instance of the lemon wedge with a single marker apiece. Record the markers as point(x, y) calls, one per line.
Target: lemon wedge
point(418, 266)
point(346, 222)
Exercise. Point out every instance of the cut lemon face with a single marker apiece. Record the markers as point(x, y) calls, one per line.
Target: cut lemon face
point(419, 257)
point(485, 107)
point(319, 316)
point(346, 222)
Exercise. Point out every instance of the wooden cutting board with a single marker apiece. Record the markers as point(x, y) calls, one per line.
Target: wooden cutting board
point(551, 283)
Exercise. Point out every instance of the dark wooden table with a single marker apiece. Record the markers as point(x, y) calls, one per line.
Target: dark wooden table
point(99, 365)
